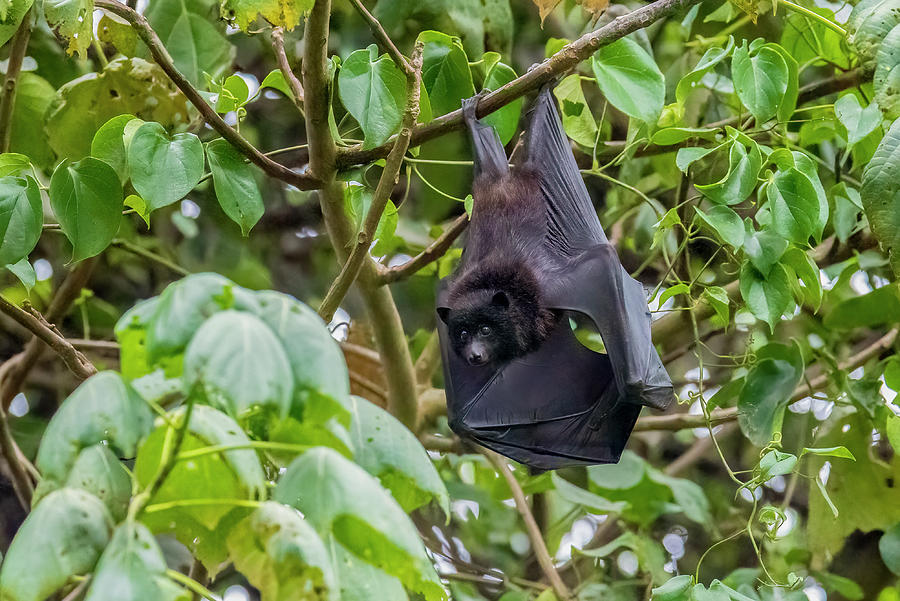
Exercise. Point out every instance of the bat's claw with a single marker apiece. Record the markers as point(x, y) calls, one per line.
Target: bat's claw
point(469, 105)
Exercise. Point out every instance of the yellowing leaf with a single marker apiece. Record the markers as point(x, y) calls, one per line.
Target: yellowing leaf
point(74, 21)
point(545, 7)
point(281, 13)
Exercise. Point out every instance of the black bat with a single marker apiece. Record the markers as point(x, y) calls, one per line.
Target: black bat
point(517, 379)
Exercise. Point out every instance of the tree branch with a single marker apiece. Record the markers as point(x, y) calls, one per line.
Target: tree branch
point(382, 193)
point(433, 252)
point(283, 64)
point(164, 60)
point(531, 527)
point(564, 60)
point(77, 363)
point(14, 66)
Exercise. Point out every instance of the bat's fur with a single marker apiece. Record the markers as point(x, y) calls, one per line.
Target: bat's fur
point(497, 311)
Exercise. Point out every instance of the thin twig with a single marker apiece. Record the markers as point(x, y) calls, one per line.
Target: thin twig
point(531, 527)
point(281, 56)
point(162, 57)
point(149, 255)
point(382, 193)
point(428, 360)
point(77, 363)
point(382, 36)
point(433, 252)
point(17, 51)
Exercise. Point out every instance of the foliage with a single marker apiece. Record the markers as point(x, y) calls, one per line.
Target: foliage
point(745, 157)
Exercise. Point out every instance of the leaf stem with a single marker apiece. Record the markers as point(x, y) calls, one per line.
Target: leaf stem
point(157, 507)
point(812, 15)
point(253, 444)
point(192, 585)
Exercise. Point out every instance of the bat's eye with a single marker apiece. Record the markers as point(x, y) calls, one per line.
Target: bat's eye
point(463, 334)
point(485, 331)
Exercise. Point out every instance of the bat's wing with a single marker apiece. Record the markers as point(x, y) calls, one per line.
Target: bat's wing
point(573, 223)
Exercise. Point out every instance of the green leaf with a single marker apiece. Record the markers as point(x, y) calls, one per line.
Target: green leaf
point(768, 388)
point(102, 409)
point(838, 451)
point(675, 589)
point(677, 135)
point(630, 79)
point(240, 365)
point(868, 24)
point(671, 291)
point(282, 556)
point(725, 223)
point(98, 471)
point(275, 80)
point(807, 271)
point(133, 201)
point(889, 547)
point(445, 71)
point(577, 119)
point(717, 297)
point(767, 297)
point(357, 201)
point(196, 45)
point(9, 22)
point(127, 85)
point(183, 307)
point(108, 144)
point(132, 568)
point(506, 119)
point(776, 463)
point(373, 89)
point(873, 309)
point(793, 203)
point(21, 218)
point(232, 94)
point(34, 95)
point(688, 495)
point(389, 451)
point(811, 42)
point(760, 79)
point(13, 163)
point(887, 76)
point(764, 249)
point(24, 271)
point(685, 157)
point(61, 538)
point(87, 199)
point(315, 357)
point(72, 20)
point(117, 34)
point(880, 194)
point(164, 168)
point(740, 180)
point(588, 500)
point(857, 122)
point(847, 209)
point(340, 498)
point(236, 188)
point(789, 100)
point(361, 581)
point(280, 13)
point(712, 57)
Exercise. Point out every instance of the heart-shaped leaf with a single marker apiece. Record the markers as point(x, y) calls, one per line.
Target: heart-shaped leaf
point(236, 188)
point(164, 168)
point(21, 218)
point(373, 90)
point(630, 79)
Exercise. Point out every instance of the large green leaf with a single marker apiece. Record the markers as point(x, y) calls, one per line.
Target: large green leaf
point(373, 90)
point(28, 135)
point(630, 79)
point(388, 450)
point(588, 500)
point(577, 119)
point(338, 497)
point(187, 31)
point(880, 194)
point(793, 204)
point(164, 168)
point(889, 547)
point(445, 72)
point(21, 218)
point(877, 308)
point(506, 119)
point(725, 223)
point(707, 63)
point(98, 471)
point(361, 581)
point(869, 23)
point(768, 388)
point(103, 409)
point(760, 78)
point(764, 249)
point(61, 538)
point(132, 568)
point(125, 86)
point(282, 556)
point(11, 17)
point(72, 20)
point(856, 121)
point(239, 364)
point(108, 144)
point(767, 297)
point(183, 307)
point(887, 74)
point(739, 180)
point(87, 199)
point(236, 188)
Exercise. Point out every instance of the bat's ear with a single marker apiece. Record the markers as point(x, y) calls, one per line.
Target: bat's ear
point(500, 300)
point(443, 313)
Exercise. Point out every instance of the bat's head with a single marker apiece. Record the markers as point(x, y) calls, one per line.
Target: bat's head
point(482, 329)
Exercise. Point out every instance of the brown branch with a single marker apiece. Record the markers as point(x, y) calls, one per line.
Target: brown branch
point(382, 36)
point(433, 252)
point(281, 56)
point(382, 193)
point(14, 66)
point(561, 62)
point(531, 527)
point(77, 363)
point(164, 60)
point(428, 360)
